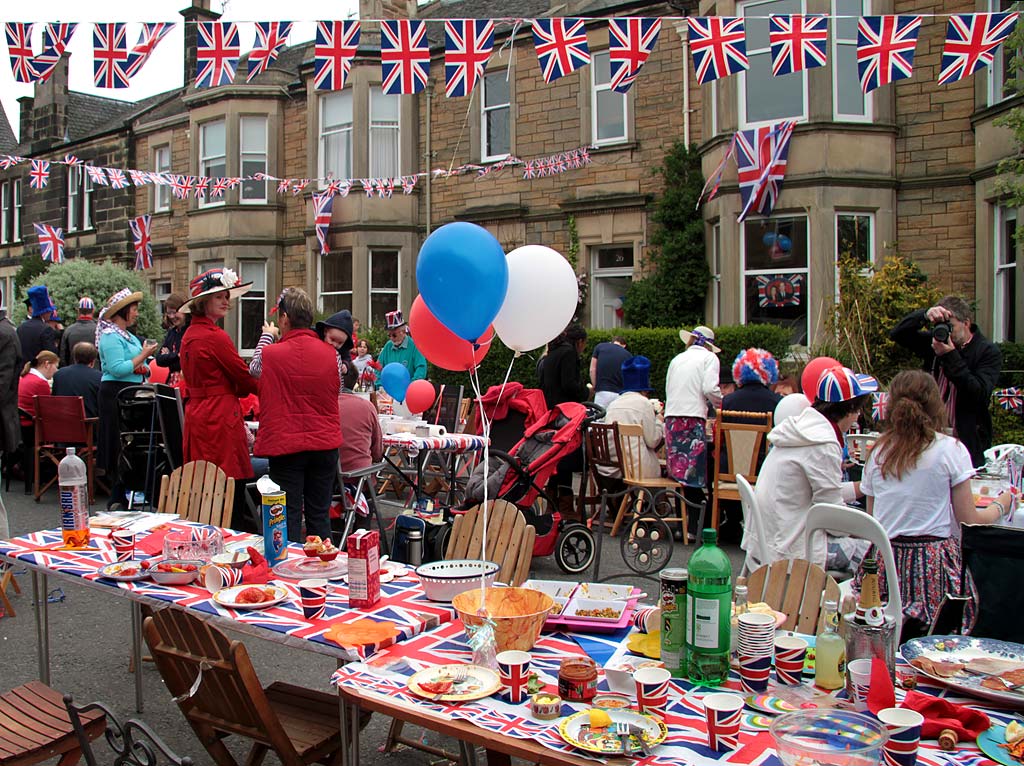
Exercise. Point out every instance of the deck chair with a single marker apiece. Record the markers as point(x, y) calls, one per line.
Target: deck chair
point(216, 687)
point(35, 727)
point(60, 422)
point(601, 441)
point(133, 743)
point(742, 443)
point(993, 555)
point(753, 542)
point(797, 588)
point(198, 491)
point(509, 539)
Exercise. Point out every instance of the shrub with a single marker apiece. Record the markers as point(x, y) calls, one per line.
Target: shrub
point(1007, 427)
point(1013, 365)
point(69, 281)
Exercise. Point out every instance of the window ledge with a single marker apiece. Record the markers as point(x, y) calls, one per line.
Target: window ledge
point(996, 110)
point(621, 146)
point(234, 207)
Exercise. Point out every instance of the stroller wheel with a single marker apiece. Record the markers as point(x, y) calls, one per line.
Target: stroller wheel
point(575, 549)
point(646, 544)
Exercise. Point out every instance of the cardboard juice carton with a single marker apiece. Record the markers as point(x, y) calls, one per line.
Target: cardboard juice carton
point(275, 521)
point(363, 568)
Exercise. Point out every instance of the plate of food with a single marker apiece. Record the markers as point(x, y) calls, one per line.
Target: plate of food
point(125, 571)
point(594, 730)
point(306, 568)
point(250, 596)
point(1004, 744)
point(594, 609)
point(454, 683)
point(981, 667)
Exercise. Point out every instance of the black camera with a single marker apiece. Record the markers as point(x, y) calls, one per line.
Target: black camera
point(941, 331)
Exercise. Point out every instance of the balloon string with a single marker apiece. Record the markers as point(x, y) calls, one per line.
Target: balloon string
point(474, 379)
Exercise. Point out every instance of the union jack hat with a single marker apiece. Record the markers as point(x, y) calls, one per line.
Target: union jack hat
point(213, 281)
point(86, 305)
point(840, 384)
point(394, 320)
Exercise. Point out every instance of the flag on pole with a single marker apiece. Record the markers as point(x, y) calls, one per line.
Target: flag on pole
point(630, 43)
point(271, 37)
point(885, 49)
point(322, 207)
point(51, 242)
point(561, 46)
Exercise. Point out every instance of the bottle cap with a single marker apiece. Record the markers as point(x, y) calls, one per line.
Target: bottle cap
point(709, 536)
point(70, 451)
point(741, 589)
point(831, 606)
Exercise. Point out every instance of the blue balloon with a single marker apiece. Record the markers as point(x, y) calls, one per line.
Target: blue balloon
point(394, 379)
point(463, 277)
point(785, 243)
point(768, 239)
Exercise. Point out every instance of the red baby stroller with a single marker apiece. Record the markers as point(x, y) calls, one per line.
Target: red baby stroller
point(520, 475)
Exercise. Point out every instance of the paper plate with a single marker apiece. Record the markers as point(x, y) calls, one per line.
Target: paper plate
point(756, 721)
point(647, 644)
point(306, 568)
point(770, 704)
point(991, 744)
point(228, 596)
point(576, 731)
point(112, 571)
point(480, 682)
point(964, 649)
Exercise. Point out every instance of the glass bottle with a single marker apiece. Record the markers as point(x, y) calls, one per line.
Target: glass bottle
point(708, 612)
point(830, 652)
point(869, 606)
point(739, 606)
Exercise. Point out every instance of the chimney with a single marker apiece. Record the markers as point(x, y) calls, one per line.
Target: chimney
point(198, 11)
point(387, 9)
point(25, 104)
point(50, 109)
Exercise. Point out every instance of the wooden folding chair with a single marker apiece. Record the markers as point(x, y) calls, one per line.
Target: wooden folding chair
point(796, 588)
point(216, 687)
point(742, 442)
point(35, 727)
point(7, 580)
point(60, 422)
point(632, 439)
point(198, 491)
point(509, 539)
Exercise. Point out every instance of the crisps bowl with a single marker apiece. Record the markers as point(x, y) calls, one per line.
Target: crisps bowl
point(518, 614)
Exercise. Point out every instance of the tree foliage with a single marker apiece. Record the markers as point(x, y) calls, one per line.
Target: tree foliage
point(674, 289)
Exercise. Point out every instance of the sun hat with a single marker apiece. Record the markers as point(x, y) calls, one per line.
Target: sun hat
point(840, 384)
point(636, 374)
point(120, 300)
point(38, 301)
point(85, 305)
point(702, 336)
point(394, 320)
point(213, 281)
point(755, 365)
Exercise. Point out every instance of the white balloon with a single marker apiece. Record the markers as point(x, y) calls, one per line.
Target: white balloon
point(541, 298)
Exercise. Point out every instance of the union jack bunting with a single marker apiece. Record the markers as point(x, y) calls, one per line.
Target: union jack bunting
point(71, 159)
point(8, 161)
point(334, 187)
point(142, 242)
point(51, 242)
point(220, 185)
point(299, 186)
point(182, 185)
point(56, 37)
point(96, 175)
point(217, 53)
point(879, 405)
point(39, 174)
point(367, 184)
point(323, 204)
point(885, 49)
point(1010, 398)
point(561, 46)
point(271, 37)
point(19, 47)
point(110, 56)
point(715, 179)
point(139, 177)
point(761, 156)
point(797, 42)
point(282, 185)
point(408, 184)
point(718, 45)
point(336, 45)
point(117, 178)
point(149, 37)
point(630, 43)
point(404, 56)
point(202, 183)
point(971, 41)
point(777, 290)
point(467, 46)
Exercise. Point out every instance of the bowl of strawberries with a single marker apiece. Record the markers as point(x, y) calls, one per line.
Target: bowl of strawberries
point(175, 571)
point(322, 549)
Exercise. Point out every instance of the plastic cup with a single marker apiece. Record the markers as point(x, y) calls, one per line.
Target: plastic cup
point(723, 713)
point(647, 618)
point(756, 633)
point(218, 577)
point(124, 544)
point(790, 653)
point(313, 594)
point(514, 669)
point(858, 682)
point(904, 728)
point(754, 672)
point(652, 690)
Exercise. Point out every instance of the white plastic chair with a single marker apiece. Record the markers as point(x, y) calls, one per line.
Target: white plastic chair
point(840, 519)
point(753, 542)
point(1000, 451)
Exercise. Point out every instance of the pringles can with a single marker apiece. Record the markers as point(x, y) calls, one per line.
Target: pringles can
point(673, 621)
point(274, 521)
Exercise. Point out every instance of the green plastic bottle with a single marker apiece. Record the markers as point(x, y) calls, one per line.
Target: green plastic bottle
point(708, 608)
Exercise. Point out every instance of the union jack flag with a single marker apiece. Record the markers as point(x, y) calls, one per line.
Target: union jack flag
point(404, 56)
point(467, 46)
point(71, 159)
point(761, 155)
point(217, 53)
point(96, 175)
point(797, 42)
point(271, 37)
point(142, 241)
point(8, 161)
point(323, 204)
point(110, 56)
point(778, 290)
point(561, 46)
point(367, 184)
point(117, 178)
point(220, 185)
point(971, 41)
point(182, 185)
point(56, 37)
point(885, 49)
point(202, 183)
point(630, 43)
point(51, 242)
point(139, 177)
point(299, 186)
point(718, 45)
point(879, 404)
point(149, 37)
point(1010, 398)
point(19, 46)
point(282, 185)
point(336, 46)
point(408, 184)
point(715, 179)
point(39, 174)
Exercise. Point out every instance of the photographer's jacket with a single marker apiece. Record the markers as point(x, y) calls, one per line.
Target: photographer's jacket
point(973, 372)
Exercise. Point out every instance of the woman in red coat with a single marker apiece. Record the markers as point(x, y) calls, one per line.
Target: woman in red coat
point(215, 376)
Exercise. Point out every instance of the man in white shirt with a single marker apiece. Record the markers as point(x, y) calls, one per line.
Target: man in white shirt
point(691, 385)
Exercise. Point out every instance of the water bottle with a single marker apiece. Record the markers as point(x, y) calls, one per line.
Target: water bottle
point(414, 547)
point(74, 500)
point(708, 607)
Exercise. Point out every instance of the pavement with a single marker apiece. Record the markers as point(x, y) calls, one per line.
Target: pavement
point(90, 644)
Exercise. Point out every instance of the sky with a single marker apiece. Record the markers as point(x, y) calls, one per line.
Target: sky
point(164, 69)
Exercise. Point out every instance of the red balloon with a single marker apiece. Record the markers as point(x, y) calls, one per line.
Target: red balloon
point(420, 396)
point(809, 377)
point(440, 345)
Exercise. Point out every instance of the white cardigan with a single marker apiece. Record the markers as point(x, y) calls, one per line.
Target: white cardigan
point(692, 383)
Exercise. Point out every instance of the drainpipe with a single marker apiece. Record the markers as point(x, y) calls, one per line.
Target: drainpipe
point(681, 30)
point(429, 154)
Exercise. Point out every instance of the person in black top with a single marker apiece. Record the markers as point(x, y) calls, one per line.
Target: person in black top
point(81, 378)
point(34, 333)
point(965, 364)
point(176, 324)
point(606, 370)
point(753, 371)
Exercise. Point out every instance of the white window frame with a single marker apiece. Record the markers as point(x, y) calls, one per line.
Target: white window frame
point(388, 125)
point(16, 218)
point(396, 291)
point(716, 273)
point(1000, 245)
point(6, 205)
point(714, 108)
point(249, 298)
point(320, 291)
point(162, 288)
point(207, 159)
point(485, 156)
point(833, 65)
point(741, 8)
point(252, 156)
point(595, 89)
point(79, 200)
point(745, 272)
point(161, 191)
point(994, 85)
point(871, 241)
point(322, 134)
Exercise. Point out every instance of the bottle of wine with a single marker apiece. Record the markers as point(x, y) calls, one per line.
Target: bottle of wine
point(830, 652)
point(869, 606)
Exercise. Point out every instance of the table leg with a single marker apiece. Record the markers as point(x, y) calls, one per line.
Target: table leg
point(39, 591)
point(137, 653)
point(494, 758)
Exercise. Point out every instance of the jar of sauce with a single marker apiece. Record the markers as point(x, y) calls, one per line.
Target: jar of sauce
point(577, 679)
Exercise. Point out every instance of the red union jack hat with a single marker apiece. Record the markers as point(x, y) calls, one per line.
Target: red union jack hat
point(214, 281)
point(394, 320)
point(840, 384)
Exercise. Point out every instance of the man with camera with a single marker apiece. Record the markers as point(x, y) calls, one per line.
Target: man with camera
point(965, 364)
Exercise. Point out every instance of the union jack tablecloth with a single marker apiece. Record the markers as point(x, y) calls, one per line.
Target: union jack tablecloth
point(387, 672)
point(457, 443)
point(402, 600)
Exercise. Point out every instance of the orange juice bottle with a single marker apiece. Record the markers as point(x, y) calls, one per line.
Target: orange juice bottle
point(74, 500)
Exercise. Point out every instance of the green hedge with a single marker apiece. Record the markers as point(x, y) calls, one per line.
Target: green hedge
point(1013, 364)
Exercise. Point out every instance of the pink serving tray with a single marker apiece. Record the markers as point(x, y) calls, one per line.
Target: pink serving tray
point(585, 625)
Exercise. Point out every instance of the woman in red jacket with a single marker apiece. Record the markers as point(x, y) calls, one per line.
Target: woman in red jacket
point(299, 428)
point(35, 381)
point(215, 376)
